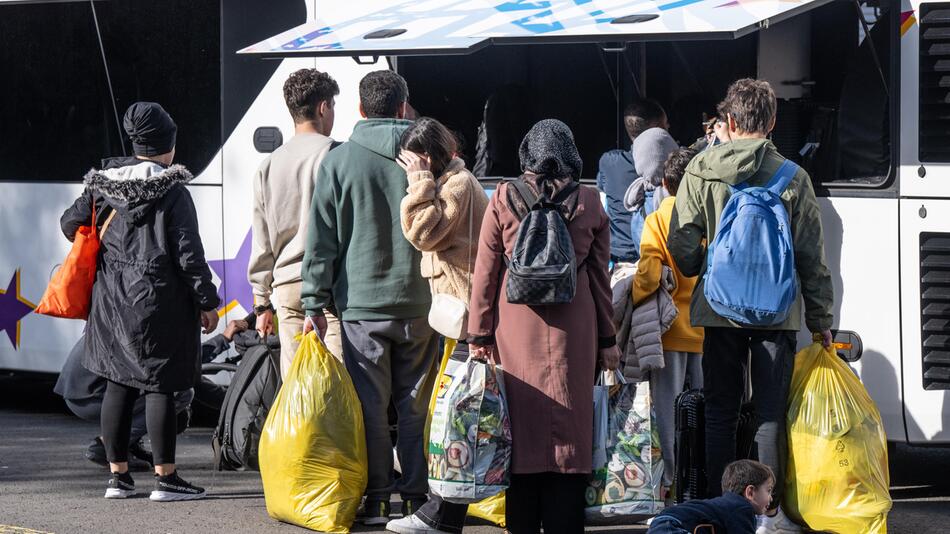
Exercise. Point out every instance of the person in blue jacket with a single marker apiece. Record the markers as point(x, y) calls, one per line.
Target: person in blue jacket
point(746, 493)
point(616, 171)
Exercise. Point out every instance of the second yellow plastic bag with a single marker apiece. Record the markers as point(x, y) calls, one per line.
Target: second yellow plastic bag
point(490, 509)
point(313, 449)
point(837, 477)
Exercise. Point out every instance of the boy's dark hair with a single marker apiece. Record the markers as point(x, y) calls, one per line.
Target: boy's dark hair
point(305, 89)
point(744, 473)
point(751, 103)
point(429, 136)
point(675, 167)
point(381, 94)
point(641, 115)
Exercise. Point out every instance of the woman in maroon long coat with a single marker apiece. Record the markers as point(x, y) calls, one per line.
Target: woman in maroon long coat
point(549, 352)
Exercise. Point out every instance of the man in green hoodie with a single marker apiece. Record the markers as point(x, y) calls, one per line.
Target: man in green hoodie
point(747, 155)
point(358, 261)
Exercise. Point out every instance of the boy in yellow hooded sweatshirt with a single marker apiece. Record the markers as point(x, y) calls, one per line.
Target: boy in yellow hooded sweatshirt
point(682, 343)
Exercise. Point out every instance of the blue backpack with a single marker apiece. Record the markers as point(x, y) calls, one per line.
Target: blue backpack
point(750, 266)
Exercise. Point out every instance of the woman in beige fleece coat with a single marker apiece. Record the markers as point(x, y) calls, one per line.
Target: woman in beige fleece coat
point(441, 216)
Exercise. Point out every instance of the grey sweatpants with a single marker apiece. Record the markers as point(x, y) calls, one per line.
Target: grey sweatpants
point(665, 385)
point(393, 359)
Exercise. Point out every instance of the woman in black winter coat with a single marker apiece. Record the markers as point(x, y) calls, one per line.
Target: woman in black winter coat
point(152, 294)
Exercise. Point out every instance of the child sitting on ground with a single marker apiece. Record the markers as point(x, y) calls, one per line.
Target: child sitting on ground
point(746, 492)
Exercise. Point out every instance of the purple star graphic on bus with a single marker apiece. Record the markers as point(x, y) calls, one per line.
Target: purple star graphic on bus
point(235, 289)
point(13, 308)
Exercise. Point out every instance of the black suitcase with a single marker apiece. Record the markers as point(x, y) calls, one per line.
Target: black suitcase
point(745, 433)
point(689, 480)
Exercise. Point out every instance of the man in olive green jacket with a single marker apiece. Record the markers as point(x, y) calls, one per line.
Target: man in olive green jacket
point(746, 155)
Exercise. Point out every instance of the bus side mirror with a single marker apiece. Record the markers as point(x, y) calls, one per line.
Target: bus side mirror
point(267, 139)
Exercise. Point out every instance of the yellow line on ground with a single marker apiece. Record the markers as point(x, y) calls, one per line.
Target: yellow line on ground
point(9, 529)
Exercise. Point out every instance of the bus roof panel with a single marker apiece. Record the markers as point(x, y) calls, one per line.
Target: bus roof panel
point(408, 27)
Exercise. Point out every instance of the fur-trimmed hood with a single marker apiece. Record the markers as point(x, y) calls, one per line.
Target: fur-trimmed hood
point(133, 186)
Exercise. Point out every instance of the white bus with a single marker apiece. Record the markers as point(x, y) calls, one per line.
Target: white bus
point(864, 93)
point(70, 70)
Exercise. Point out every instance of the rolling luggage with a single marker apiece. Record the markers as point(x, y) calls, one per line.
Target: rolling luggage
point(689, 480)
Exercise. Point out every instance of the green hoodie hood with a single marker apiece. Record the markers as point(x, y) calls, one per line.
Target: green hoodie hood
point(380, 135)
point(733, 162)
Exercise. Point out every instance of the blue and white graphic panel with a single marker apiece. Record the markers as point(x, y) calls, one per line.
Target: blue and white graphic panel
point(385, 27)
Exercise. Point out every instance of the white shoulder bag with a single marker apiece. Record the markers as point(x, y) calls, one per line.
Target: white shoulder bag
point(448, 314)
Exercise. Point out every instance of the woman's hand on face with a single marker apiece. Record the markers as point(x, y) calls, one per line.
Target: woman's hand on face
point(412, 162)
point(482, 353)
point(610, 358)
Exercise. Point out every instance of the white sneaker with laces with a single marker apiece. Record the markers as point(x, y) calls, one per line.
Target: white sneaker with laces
point(777, 524)
point(411, 525)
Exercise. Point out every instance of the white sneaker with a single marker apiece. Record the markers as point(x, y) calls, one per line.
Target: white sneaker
point(121, 486)
point(777, 524)
point(411, 525)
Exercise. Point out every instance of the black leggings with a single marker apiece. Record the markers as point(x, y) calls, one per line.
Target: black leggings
point(554, 501)
point(117, 405)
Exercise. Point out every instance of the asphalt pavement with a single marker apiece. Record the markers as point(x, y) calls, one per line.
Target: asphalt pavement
point(47, 486)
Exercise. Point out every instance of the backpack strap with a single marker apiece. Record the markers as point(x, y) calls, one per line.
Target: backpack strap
point(777, 183)
point(527, 195)
point(564, 193)
point(782, 177)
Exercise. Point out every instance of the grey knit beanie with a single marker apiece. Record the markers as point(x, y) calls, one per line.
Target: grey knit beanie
point(650, 150)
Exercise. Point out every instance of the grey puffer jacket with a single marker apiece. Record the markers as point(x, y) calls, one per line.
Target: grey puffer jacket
point(640, 329)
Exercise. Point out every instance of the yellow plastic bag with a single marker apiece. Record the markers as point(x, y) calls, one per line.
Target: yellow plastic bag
point(837, 477)
point(312, 448)
point(490, 509)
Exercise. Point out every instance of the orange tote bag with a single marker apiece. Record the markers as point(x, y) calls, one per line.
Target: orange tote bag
point(69, 293)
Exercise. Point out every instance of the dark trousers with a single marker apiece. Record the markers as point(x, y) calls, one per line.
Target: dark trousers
point(726, 356)
point(393, 361)
point(553, 501)
point(443, 515)
point(118, 406)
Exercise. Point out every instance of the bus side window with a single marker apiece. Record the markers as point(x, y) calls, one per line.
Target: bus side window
point(849, 133)
point(57, 115)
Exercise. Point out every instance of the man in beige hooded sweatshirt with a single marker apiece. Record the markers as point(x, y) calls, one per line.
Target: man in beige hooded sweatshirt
point(283, 190)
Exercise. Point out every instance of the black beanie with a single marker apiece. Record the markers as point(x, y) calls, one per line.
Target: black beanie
point(150, 128)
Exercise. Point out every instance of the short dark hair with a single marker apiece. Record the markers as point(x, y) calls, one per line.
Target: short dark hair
point(429, 136)
point(305, 89)
point(751, 103)
point(675, 168)
point(381, 94)
point(641, 115)
point(741, 474)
